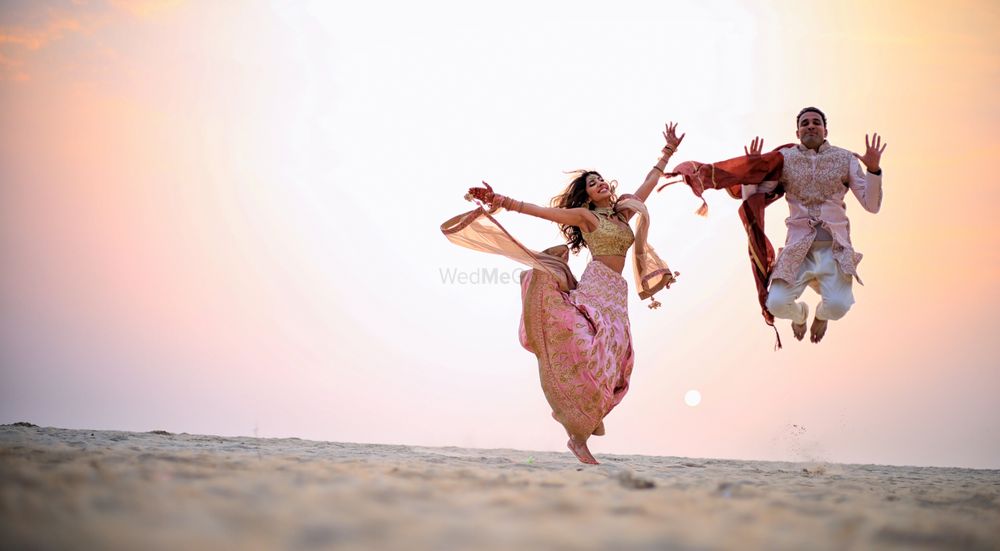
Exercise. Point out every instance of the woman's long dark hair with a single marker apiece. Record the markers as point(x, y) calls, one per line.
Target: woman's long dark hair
point(574, 196)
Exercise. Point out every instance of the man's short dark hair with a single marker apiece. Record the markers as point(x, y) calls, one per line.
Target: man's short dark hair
point(810, 110)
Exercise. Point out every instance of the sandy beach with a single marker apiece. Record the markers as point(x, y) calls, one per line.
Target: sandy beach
point(81, 489)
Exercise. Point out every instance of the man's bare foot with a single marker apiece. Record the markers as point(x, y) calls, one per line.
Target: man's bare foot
point(581, 452)
point(799, 329)
point(817, 330)
point(599, 431)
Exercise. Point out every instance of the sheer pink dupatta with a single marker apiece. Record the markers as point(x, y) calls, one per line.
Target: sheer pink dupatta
point(479, 231)
point(651, 273)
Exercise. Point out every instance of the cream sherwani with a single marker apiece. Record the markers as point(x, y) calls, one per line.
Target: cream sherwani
point(818, 252)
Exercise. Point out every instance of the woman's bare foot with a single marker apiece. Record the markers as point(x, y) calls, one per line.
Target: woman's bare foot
point(799, 329)
point(599, 431)
point(817, 330)
point(580, 450)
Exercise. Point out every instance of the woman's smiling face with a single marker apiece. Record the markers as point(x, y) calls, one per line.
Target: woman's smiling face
point(597, 189)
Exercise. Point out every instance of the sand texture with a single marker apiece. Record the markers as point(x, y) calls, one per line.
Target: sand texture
point(81, 489)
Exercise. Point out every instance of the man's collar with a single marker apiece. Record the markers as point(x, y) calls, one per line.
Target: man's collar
point(822, 147)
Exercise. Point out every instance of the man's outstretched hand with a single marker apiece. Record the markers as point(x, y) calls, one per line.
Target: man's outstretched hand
point(756, 146)
point(873, 153)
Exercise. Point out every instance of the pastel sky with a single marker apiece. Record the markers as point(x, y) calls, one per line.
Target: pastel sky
point(222, 218)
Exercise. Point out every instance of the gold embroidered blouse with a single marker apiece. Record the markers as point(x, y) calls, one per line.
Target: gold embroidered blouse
point(609, 238)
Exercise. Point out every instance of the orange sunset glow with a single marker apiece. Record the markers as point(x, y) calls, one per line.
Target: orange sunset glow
point(223, 218)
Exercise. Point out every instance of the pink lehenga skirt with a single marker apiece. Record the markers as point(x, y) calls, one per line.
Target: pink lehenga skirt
point(582, 341)
point(579, 331)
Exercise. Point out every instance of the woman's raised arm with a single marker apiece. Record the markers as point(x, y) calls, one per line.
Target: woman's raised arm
point(670, 135)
